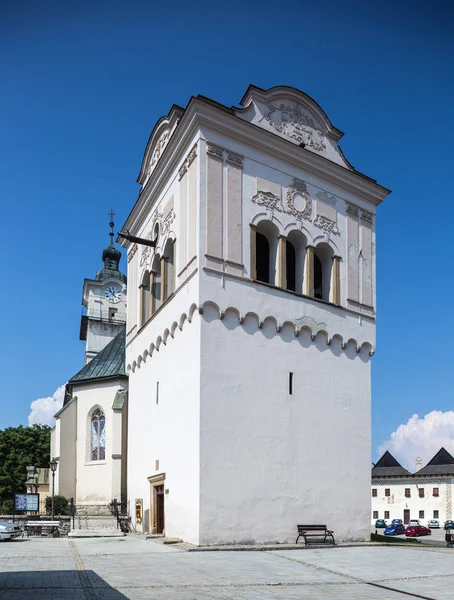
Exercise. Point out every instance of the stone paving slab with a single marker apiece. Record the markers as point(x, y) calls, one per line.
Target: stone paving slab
point(133, 568)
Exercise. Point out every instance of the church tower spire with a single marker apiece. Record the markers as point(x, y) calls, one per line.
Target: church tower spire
point(104, 301)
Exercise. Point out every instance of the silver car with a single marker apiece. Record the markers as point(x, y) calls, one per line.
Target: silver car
point(8, 530)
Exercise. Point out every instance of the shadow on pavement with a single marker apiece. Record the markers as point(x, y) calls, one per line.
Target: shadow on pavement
point(67, 585)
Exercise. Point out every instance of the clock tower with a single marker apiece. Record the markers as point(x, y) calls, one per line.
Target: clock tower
point(104, 302)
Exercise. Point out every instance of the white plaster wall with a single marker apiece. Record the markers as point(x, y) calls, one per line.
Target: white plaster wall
point(167, 431)
point(270, 460)
point(98, 482)
point(66, 430)
point(396, 503)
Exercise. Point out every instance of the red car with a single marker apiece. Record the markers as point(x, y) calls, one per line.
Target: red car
point(417, 530)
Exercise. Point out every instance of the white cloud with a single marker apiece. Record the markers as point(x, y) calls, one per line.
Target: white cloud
point(43, 409)
point(421, 437)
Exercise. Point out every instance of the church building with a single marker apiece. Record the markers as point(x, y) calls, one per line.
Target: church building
point(89, 439)
point(250, 327)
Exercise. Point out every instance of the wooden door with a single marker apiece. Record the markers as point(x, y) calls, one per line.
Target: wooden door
point(406, 516)
point(159, 491)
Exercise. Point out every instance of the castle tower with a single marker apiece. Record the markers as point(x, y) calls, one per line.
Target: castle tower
point(251, 324)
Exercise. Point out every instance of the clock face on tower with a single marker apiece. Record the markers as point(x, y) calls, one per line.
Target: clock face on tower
point(113, 294)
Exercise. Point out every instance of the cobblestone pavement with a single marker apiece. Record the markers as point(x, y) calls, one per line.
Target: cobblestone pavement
point(135, 569)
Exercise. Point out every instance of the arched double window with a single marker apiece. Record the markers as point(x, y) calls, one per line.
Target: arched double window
point(98, 435)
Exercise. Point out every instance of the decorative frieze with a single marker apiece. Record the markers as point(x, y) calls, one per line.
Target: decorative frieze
point(327, 225)
point(268, 200)
point(221, 153)
point(234, 159)
point(352, 209)
point(214, 150)
point(366, 216)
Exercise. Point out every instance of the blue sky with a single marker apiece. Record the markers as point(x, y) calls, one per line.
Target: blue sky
point(83, 84)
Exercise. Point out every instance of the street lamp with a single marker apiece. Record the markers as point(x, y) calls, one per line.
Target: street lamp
point(53, 467)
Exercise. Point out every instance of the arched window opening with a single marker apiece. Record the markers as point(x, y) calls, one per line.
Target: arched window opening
point(145, 298)
point(263, 258)
point(318, 278)
point(98, 435)
point(323, 264)
point(156, 285)
point(290, 257)
point(299, 242)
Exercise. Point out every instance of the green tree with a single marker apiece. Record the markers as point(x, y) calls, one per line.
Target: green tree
point(20, 447)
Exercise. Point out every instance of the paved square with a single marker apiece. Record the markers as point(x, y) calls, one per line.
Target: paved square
point(132, 568)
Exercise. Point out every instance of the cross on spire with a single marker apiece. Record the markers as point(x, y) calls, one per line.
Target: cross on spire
point(111, 225)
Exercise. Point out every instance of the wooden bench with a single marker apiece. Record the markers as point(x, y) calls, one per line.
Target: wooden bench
point(317, 531)
point(36, 528)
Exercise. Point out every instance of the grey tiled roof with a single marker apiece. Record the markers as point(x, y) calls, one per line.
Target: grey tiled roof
point(388, 466)
point(107, 364)
point(441, 464)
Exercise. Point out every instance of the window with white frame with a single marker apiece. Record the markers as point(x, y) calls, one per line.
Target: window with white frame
point(375, 514)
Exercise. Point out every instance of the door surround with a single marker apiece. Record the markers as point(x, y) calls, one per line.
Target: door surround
point(155, 481)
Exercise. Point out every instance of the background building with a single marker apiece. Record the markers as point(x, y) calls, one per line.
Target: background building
point(89, 439)
point(424, 495)
point(250, 324)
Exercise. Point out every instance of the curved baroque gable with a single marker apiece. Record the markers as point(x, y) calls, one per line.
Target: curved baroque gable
point(158, 141)
point(294, 116)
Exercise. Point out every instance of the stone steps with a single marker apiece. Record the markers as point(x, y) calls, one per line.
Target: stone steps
point(85, 526)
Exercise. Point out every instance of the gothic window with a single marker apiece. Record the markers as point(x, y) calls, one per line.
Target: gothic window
point(98, 435)
point(290, 256)
point(263, 258)
point(145, 298)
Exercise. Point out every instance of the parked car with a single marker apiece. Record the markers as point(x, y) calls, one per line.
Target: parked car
point(417, 530)
point(380, 523)
point(434, 524)
point(414, 522)
point(398, 529)
point(8, 530)
point(396, 522)
point(449, 525)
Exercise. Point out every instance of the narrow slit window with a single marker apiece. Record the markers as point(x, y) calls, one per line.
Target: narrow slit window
point(290, 383)
point(157, 392)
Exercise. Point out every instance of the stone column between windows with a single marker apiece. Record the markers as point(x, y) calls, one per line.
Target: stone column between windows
point(143, 317)
point(152, 298)
point(282, 262)
point(253, 252)
point(163, 279)
point(309, 272)
point(335, 281)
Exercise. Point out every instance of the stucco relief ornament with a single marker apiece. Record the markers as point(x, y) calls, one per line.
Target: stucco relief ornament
point(299, 203)
point(291, 121)
point(327, 225)
point(268, 200)
point(159, 149)
point(146, 251)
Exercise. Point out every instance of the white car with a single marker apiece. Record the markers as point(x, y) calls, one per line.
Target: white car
point(434, 524)
point(8, 530)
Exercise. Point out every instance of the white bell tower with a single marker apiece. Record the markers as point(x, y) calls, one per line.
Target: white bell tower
point(104, 302)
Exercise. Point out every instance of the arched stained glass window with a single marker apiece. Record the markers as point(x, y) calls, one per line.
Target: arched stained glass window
point(98, 436)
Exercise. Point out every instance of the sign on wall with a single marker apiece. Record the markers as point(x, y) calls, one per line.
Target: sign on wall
point(26, 502)
point(139, 505)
